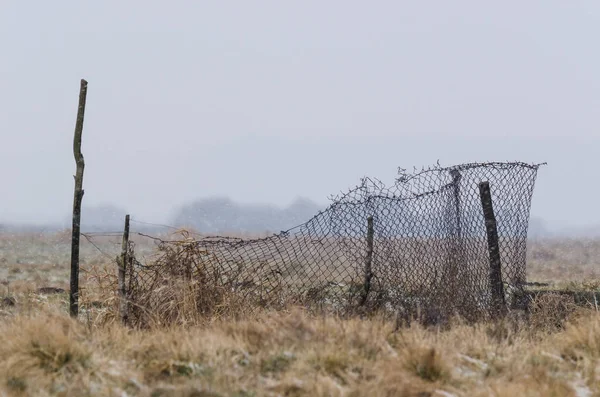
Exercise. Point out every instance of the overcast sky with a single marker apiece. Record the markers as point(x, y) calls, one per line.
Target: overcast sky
point(264, 101)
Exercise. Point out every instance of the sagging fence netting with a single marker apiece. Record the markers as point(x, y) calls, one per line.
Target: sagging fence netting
point(417, 248)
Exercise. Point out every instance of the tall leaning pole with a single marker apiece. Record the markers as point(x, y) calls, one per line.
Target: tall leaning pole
point(78, 197)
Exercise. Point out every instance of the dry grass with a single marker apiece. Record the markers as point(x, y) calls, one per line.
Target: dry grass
point(292, 354)
point(286, 353)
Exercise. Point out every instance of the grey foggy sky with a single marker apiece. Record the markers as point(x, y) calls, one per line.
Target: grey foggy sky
point(265, 101)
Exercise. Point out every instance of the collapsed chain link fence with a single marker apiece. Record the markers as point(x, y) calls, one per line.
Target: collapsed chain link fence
point(417, 248)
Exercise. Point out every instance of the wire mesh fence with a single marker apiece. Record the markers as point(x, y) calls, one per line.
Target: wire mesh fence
point(417, 248)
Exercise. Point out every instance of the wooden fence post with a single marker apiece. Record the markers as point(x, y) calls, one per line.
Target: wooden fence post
point(456, 177)
point(78, 197)
point(497, 287)
point(368, 261)
point(456, 259)
point(122, 263)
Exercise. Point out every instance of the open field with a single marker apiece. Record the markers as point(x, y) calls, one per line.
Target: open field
point(288, 353)
point(40, 260)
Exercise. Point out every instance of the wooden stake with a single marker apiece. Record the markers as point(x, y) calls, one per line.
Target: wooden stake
point(122, 263)
point(368, 260)
point(77, 199)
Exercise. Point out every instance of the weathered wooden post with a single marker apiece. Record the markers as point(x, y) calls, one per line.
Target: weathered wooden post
point(122, 263)
point(368, 261)
point(78, 197)
point(455, 260)
point(496, 285)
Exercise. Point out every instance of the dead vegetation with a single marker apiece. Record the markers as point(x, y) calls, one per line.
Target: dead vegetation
point(291, 353)
point(199, 342)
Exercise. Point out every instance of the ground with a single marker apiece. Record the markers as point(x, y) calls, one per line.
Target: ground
point(287, 353)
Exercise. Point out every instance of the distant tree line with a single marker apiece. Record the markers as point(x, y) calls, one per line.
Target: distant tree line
point(211, 215)
point(222, 215)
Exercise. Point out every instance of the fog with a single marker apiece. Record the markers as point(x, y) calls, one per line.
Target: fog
point(266, 101)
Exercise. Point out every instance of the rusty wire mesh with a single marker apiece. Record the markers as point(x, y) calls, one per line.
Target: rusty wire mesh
point(429, 251)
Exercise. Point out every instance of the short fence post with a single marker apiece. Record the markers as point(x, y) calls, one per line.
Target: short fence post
point(368, 261)
point(497, 287)
point(122, 263)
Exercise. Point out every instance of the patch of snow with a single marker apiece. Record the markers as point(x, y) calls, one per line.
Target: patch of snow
point(444, 393)
point(482, 365)
point(581, 389)
point(554, 356)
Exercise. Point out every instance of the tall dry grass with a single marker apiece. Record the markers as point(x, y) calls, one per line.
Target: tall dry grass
point(292, 353)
